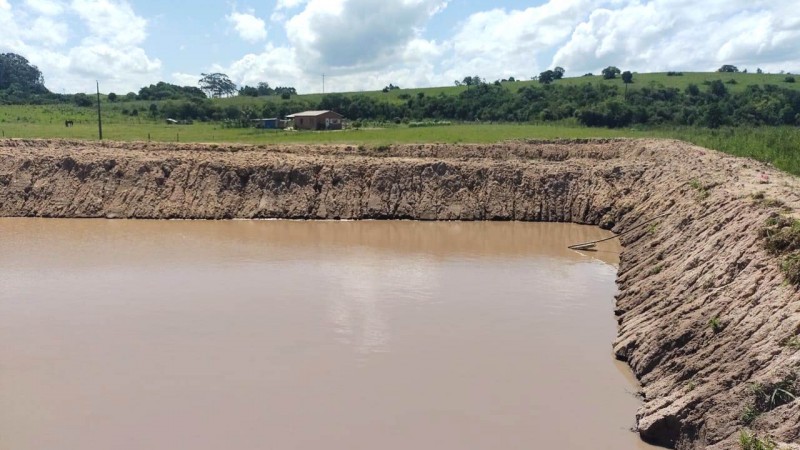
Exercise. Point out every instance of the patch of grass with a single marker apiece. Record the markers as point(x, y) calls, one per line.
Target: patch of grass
point(781, 235)
point(702, 190)
point(776, 145)
point(652, 228)
point(791, 268)
point(792, 342)
point(716, 325)
point(771, 396)
point(657, 269)
point(749, 414)
point(750, 441)
point(760, 195)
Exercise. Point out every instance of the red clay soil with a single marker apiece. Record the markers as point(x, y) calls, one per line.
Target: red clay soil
point(707, 320)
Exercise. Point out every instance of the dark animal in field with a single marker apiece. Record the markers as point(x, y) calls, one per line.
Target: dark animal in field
point(69, 123)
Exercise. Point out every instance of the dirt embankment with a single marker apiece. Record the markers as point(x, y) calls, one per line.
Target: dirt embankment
point(707, 321)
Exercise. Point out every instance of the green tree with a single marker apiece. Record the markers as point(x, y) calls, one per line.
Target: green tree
point(264, 89)
point(727, 68)
point(82, 100)
point(248, 91)
point(559, 72)
point(610, 72)
point(217, 84)
point(547, 77)
point(18, 74)
point(627, 77)
point(112, 97)
point(718, 89)
point(714, 116)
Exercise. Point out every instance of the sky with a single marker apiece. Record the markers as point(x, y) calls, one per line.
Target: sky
point(368, 44)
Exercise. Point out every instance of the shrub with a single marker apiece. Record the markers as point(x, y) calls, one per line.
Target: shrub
point(791, 268)
point(674, 74)
point(436, 123)
point(749, 441)
point(749, 414)
point(716, 325)
point(775, 395)
point(789, 79)
point(781, 235)
point(82, 100)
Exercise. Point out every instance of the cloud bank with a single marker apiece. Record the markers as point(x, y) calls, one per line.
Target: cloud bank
point(363, 44)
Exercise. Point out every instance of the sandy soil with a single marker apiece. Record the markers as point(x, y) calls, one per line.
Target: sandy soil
point(704, 311)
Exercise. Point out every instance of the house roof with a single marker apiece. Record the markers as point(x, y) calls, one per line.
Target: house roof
point(311, 114)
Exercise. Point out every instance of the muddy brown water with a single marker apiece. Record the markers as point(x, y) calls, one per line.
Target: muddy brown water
point(297, 335)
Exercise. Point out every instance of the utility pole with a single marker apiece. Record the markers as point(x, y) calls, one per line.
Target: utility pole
point(323, 83)
point(99, 117)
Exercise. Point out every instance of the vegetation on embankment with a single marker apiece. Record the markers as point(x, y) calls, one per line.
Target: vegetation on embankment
point(782, 238)
point(776, 145)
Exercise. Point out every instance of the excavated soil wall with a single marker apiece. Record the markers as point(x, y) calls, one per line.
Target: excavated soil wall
point(704, 311)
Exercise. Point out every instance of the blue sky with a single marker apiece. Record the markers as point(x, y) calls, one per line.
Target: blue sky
point(367, 44)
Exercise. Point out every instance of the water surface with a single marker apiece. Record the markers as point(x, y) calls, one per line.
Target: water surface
point(293, 335)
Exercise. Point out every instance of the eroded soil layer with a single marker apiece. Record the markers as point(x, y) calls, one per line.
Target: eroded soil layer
point(707, 321)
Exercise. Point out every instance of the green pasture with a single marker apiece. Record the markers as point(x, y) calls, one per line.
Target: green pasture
point(777, 145)
point(214, 132)
point(742, 80)
point(735, 82)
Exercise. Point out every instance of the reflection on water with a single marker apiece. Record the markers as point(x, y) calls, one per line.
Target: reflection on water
point(298, 335)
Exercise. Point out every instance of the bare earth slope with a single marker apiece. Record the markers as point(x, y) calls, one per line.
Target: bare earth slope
point(704, 311)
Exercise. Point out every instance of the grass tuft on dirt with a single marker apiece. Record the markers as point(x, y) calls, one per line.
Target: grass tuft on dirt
point(781, 235)
point(750, 441)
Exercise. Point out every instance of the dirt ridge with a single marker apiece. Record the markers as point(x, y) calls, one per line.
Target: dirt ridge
point(704, 311)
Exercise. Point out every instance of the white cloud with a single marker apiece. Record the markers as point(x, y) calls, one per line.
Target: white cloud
point(45, 7)
point(498, 43)
point(111, 50)
point(364, 44)
point(668, 34)
point(249, 27)
point(289, 4)
point(352, 34)
point(276, 65)
point(185, 79)
point(111, 21)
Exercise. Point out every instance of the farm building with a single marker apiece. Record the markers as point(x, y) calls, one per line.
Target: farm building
point(267, 124)
point(317, 120)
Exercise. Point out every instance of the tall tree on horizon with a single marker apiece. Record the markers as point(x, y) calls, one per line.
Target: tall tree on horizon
point(217, 84)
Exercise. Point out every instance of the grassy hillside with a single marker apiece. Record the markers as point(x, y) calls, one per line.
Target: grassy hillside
point(43, 114)
point(640, 80)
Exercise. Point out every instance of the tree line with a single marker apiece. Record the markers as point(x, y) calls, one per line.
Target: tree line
point(596, 105)
point(712, 104)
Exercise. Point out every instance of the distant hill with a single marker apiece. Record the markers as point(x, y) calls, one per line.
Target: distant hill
point(742, 80)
